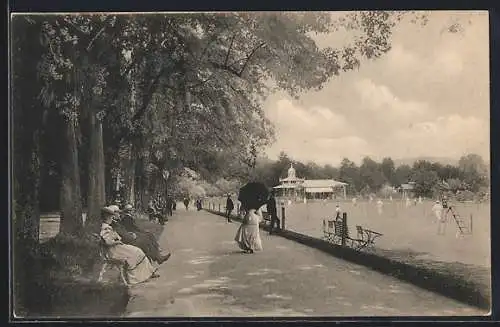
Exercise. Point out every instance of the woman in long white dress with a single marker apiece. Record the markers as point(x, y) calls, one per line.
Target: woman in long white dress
point(248, 234)
point(138, 267)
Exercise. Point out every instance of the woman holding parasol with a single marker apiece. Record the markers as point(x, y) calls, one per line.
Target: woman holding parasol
point(252, 196)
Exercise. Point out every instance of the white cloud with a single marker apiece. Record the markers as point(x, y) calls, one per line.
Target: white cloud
point(316, 133)
point(315, 121)
point(380, 99)
point(399, 57)
point(450, 136)
point(448, 62)
point(333, 150)
point(428, 96)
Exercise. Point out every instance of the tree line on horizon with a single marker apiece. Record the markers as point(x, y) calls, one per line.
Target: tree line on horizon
point(470, 174)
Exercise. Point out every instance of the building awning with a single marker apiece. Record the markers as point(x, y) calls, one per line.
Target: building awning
point(285, 186)
point(319, 190)
point(317, 183)
point(291, 179)
point(407, 187)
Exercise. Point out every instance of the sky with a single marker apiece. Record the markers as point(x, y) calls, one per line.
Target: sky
point(427, 97)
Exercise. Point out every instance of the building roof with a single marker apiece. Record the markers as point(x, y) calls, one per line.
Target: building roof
point(321, 183)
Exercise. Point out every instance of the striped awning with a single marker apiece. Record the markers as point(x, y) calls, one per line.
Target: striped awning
point(285, 186)
point(319, 190)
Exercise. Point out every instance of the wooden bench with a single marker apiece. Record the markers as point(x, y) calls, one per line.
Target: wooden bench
point(334, 231)
point(109, 262)
point(368, 236)
point(266, 218)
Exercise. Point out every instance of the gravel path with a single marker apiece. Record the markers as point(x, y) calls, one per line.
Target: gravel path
point(207, 275)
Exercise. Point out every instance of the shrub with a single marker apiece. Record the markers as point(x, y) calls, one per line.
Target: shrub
point(72, 254)
point(63, 277)
point(465, 196)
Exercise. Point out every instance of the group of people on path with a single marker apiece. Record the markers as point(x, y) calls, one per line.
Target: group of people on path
point(125, 241)
point(159, 210)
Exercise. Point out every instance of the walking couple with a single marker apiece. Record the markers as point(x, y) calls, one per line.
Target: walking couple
point(252, 197)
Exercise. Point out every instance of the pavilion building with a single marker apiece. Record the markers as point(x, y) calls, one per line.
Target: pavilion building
point(299, 188)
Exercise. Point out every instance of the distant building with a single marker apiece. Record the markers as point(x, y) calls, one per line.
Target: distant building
point(295, 187)
point(290, 185)
point(407, 190)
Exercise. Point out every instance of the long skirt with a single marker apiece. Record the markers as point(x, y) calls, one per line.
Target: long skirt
point(139, 268)
point(248, 237)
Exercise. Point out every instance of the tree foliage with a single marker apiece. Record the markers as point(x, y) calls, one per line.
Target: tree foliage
point(383, 177)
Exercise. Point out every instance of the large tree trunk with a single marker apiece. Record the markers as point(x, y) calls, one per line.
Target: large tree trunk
point(142, 183)
point(129, 173)
point(97, 191)
point(139, 185)
point(71, 201)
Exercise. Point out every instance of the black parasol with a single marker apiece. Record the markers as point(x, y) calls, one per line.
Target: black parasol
point(253, 195)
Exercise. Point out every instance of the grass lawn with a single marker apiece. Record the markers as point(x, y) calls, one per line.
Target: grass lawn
point(410, 234)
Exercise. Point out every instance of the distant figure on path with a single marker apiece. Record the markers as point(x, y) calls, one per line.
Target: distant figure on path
point(337, 212)
point(354, 201)
point(380, 206)
point(229, 208)
point(162, 212)
point(273, 212)
point(408, 202)
point(419, 199)
point(437, 208)
point(153, 213)
point(390, 198)
point(186, 203)
point(198, 204)
point(170, 206)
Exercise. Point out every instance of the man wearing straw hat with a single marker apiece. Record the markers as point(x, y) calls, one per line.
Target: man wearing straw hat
point(130, 233)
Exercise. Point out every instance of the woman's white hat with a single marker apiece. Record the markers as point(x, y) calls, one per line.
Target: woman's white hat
point(108, 210)
point(114, 208)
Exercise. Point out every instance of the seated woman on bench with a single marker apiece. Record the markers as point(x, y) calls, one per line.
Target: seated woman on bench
point(139, 269)
point(131, 234)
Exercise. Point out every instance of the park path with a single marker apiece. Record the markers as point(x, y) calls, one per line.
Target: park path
point(207, 276)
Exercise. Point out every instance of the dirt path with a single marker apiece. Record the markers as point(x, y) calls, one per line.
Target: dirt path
point(208, 276)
